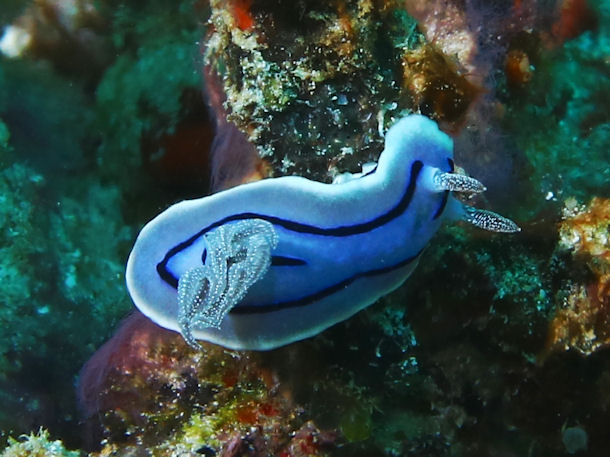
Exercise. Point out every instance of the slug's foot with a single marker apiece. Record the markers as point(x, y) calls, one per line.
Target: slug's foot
point(238, 255)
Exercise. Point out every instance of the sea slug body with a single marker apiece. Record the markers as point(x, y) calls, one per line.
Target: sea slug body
point(335, 248)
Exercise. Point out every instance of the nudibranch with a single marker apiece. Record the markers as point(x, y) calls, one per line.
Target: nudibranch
point(274, 261)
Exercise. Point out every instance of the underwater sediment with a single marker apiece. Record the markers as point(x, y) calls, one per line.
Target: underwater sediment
point(112, 110)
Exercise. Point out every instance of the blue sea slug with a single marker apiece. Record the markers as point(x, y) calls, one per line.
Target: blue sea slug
point(271, 262)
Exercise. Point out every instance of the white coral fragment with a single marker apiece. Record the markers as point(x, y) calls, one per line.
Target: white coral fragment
point(238, 255)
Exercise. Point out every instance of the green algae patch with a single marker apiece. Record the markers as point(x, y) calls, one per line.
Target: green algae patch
point(234, 410)
point(560, 121)
point(4, 136)
point(49, 118)
point(202, 429)
point(405, 426)
point(357, 423)
point(37, 445)
point(61, 243)
point(141, 94)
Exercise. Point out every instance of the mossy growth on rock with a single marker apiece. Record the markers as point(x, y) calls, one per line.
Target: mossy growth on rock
point(313, 84)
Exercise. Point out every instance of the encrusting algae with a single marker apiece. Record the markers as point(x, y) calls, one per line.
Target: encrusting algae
point(299, 73)
point(582, 323)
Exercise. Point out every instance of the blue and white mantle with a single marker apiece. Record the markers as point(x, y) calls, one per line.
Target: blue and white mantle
point(311, 254)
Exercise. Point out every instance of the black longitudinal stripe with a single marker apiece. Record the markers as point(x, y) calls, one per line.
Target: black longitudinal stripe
point(343, 230)
point(370, 172)
point(167, 276)
point(441, 207)
point(304, 301)
point(276, 261)
point(283, 261)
